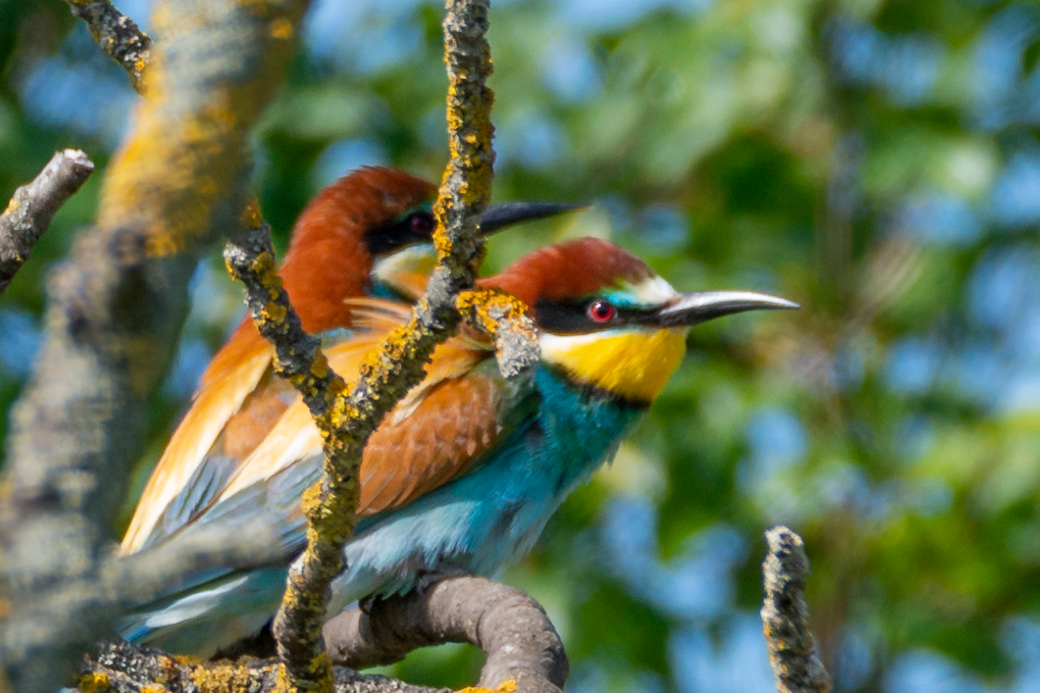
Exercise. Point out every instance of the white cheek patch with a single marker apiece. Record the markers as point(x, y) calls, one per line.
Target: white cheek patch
point(556, 347)
point(419, 259)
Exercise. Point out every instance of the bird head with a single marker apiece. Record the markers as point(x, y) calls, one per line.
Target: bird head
point(608, 322)
point(374, 227)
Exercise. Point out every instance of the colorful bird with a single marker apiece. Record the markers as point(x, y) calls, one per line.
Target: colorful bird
point(467, 469)
point(368, 233)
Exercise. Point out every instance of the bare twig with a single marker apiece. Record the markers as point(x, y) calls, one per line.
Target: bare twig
point(507, 624)
point(33, 205)
point(118, 36)
point(346, 422)
point(785, 616)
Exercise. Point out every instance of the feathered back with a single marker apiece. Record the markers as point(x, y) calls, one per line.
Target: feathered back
point(327, 260)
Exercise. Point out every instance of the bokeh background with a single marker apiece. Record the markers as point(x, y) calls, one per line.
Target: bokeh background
point(877, 161)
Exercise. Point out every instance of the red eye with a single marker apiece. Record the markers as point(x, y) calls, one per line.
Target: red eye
point(421, 223)
point(601, 311)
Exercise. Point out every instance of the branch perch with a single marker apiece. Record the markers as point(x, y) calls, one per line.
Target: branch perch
point(33, 206)
point(507, 624)
point(511, 627)
point(785, 617)
point(126, 668)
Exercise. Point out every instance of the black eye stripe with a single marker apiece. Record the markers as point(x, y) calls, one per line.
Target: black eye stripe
point(572, 317)
point(411, 229)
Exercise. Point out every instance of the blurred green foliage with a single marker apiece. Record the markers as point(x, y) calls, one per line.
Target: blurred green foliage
point(875, 160)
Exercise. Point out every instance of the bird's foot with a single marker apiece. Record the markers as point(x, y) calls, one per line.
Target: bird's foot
point(441, 572)
point(366, 604)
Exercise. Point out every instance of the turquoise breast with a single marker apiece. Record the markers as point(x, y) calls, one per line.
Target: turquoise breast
point(492, 516)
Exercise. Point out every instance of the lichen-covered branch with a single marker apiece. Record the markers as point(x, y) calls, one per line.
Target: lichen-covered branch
point(524, 651)
point(250, 259)
point(115, 309)
point(29, 213)
point(332, 504)
point(118, 36)
point(386, 375)
point(521, 643)
point(785, 617)
point(505, 318)
point(126, 668)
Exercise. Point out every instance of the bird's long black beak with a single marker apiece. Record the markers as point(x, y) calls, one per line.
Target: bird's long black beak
point(498, 217)
point(701, 306)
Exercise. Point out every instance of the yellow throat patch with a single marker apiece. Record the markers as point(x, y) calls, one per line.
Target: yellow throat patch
point(633, 364)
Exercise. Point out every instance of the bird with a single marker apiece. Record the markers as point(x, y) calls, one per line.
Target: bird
point(466, 470)
point(370, 232)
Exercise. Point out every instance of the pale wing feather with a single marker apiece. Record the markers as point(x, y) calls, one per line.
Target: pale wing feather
point(191, 442)
point(435, 434)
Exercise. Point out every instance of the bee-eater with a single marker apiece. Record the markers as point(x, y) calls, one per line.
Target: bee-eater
point(370, 232)
point(467, 469)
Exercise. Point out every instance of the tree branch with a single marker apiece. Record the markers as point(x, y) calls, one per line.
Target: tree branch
point(114, 312)
point(118, 36)
point(505, 318)
point(126, 668)
point(126, 582)
point(510, 626)
point(507, 624)
point(785, 616)
point(346, 422)
point(33, 205)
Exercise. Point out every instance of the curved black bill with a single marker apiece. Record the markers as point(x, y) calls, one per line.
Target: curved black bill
point(701, 306)
point(498, 217)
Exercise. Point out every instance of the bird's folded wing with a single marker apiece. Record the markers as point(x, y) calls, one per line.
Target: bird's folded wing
point(236, 397)
point(437, 433)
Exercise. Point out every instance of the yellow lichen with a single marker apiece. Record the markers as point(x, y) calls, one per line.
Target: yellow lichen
point(488, 308)
point(504, 687)
point(11, 206)
point(251, 217)
point(94, 682)
point(320, 367)
point(178, 166)
point(274, 311)
point(281, 29)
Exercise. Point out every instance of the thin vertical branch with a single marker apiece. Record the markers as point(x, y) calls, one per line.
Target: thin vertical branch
point(785, 617)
